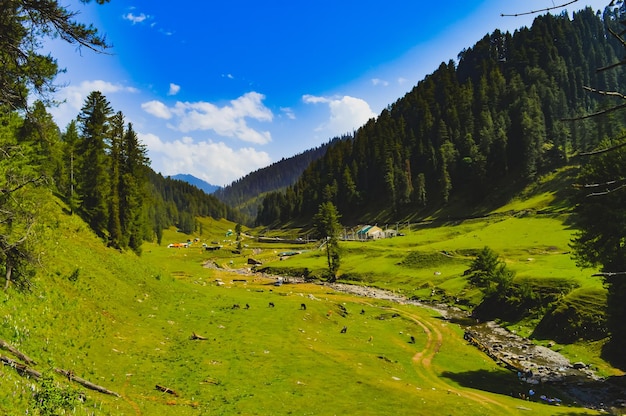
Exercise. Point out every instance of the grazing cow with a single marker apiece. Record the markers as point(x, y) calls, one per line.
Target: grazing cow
point(412, 339)
point(303, 306)
point(236, 306)
point(371, 339)
point(271, 305)
point(344, 329)
point(362, 311)
point(247, 306)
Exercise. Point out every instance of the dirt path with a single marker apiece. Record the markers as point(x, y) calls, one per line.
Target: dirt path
point(128, 400)
point(423, 362)
point(546, 365)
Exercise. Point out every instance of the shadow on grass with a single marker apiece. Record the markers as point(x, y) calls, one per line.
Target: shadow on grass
point(499, 382)
point(596, 394)
point(505, 383)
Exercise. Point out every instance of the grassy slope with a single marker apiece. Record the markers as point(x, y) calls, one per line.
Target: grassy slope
point(125, 323)
point(531, 233)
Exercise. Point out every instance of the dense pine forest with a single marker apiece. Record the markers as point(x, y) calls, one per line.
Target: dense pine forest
point(497, 116)
point(100, 168)
point(244, 193)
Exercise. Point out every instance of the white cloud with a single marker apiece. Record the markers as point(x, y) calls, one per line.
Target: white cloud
point(174, 89)
point(73, 97)
point(157, 109)
point(135, 18)
point(213, 162)
point(346, 113)
point(288, 112)
point(229, 120)
point(378, 81)
point(402, 80)
point(312, 99)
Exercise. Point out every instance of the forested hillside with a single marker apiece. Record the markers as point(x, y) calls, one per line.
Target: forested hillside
point(243, 193)
point(493, 118)
point(197, 182)
point(176, 202)
point(100, 168)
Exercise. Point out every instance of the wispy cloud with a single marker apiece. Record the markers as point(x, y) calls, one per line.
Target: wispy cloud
point(73, 96)
point(174, 89)
point(214, 162)
point(288, 112)
point(135, 18)
point(378, 81)
point(346, 113)
point(230, 120)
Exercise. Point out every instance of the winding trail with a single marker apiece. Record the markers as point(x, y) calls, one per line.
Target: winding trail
point(423, 365)
point(422, 361)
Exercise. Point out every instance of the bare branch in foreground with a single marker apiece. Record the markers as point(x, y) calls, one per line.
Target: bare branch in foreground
point(547, 9)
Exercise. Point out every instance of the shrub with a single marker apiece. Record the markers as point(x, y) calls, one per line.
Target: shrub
point(51, 400)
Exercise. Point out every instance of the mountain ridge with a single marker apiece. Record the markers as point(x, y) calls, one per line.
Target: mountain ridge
point(197, 182)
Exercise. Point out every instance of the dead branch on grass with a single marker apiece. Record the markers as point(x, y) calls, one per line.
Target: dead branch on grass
point(85, 383)
point(166, 390)
point(23, 369)
point(6, 346)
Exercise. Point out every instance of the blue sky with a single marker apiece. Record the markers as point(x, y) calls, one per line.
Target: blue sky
point(220, 89)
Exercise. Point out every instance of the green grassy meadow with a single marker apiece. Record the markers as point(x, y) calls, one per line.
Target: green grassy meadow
point(124, 322)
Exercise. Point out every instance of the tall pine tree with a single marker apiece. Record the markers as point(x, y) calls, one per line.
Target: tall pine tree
point(93, 172)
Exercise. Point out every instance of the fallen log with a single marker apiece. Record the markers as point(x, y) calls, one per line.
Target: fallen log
point(70, 376)
point(166, 390)
point(196, 336)
point(6, 346)
point(23, 369)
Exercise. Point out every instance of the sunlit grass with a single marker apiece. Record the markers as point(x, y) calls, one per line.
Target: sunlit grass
point(125, 323)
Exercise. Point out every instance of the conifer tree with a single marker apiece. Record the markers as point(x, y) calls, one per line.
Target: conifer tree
point(92, 176)
point(114, 201)
point(328, 227)
point(601, 220)
point(23, 27)
point(67, 184)
point(133, 189)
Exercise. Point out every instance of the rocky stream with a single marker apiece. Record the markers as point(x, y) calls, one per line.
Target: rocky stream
point(533, 363)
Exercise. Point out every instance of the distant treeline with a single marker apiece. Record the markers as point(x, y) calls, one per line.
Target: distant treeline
point(243, 193)
point(494, 117)
point(101, 169)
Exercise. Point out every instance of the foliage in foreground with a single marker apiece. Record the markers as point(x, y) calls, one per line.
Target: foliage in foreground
point(601, 220)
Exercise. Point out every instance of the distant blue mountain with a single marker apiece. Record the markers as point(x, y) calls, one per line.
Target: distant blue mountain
point(197, 182)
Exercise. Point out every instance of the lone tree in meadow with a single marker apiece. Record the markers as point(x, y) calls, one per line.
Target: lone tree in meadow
point(238, 234)
point(328, 227)
point(490, 274)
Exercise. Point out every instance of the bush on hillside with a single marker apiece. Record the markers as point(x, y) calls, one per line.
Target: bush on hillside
point(573, 318)
point(523, 298)
point(302, 272)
